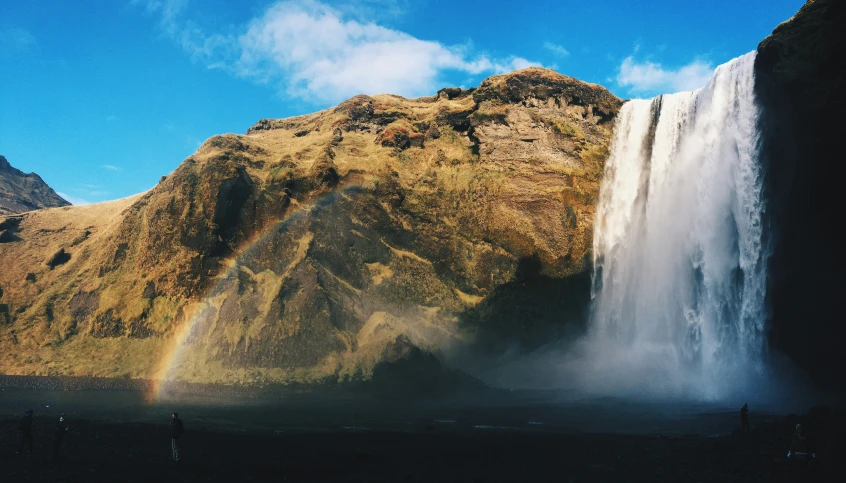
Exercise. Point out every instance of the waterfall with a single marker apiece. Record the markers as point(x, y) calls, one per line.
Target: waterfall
point(679, 263)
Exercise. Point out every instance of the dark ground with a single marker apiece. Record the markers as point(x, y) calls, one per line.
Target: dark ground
point(117, 452)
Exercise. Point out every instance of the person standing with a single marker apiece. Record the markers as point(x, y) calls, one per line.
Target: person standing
point(744, 417)
point(25, 428)
point(61, 429)
point(799, 449)
point(176, 431)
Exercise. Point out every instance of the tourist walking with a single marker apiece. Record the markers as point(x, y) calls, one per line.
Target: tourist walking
point(61, 429)
point(25, 428)
point(176, 431)
point(800, 451)
point(744, 417)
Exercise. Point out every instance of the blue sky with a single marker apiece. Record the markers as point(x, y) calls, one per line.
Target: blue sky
point(103, 98)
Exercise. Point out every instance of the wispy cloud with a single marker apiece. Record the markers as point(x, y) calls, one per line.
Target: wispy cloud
point(109, 167)
point(92, 192)
point(15, 40)
point(111, 118)
point(73, 199)
point(316, 52)
point(646, 77)
point(556, 49)
point(192, 142)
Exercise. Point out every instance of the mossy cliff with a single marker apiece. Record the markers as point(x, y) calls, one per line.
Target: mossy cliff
point(312, 247)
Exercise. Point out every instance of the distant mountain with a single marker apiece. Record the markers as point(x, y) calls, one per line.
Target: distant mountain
point(20, 192)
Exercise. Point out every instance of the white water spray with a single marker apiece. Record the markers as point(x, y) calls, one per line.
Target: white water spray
point(680, 269)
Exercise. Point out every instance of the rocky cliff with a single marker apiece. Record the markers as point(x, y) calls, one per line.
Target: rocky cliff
point(801, 86)
point(317, 247)
point(20, 192)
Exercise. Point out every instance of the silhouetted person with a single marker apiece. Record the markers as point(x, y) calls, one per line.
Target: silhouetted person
point(61, 429)
point(799, 450)
point(744, 417)
point(25, 428)
point(176, 431)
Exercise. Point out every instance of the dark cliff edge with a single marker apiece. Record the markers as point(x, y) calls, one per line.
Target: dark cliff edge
point(801, 87)
point(21, 192)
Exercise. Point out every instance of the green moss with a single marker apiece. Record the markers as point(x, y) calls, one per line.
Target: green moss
point(594, 156)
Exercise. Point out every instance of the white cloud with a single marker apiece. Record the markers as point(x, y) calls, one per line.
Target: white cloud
point(651, 77)
point(556, 49)
point(313, 51)
point(109, 167)
point(17, 40)
point(73, 199)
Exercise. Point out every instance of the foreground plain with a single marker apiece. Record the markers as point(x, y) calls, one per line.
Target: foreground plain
point(97, 451)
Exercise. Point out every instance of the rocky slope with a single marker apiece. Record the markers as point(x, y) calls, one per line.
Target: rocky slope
point(20, 192)
point(801, 86)
point(313, 248)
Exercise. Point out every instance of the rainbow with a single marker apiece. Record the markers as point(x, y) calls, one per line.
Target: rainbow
point(173, 353)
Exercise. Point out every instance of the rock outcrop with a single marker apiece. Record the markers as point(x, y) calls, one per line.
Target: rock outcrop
point(310, 248)
point(801, 86)
point(21, 192)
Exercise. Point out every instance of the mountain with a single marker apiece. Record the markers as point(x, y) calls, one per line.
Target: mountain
point(20, 192)
point(318, 247)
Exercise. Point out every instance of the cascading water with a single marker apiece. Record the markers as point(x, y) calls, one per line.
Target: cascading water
point(680, 267)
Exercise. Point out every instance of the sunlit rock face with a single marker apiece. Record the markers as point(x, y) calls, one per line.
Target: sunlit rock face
point(308, 248)
point(801, 88)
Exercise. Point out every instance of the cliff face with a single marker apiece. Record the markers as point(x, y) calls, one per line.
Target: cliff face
point(20, 192)
point(801, 86)
point(314, 247)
